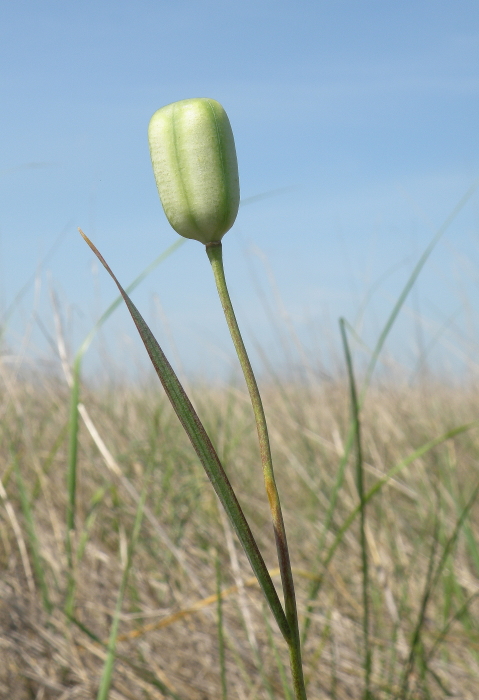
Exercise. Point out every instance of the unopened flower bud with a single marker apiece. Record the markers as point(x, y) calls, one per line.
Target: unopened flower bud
point(194, 161)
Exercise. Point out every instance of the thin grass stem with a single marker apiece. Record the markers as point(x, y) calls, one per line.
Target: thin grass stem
point(221, 636)
point(38, 564)
point(105, 682)
point(362, 504)
point(73, 428)
point(431, 583)
point(215, 255)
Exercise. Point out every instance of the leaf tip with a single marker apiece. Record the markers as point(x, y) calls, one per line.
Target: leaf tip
point(85, 237)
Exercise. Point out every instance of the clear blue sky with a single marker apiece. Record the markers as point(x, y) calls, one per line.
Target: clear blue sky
point(368, 111)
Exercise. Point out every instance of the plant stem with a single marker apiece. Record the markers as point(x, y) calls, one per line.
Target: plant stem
point(73, 428)
point(355, 410)
point(221, 637)
point(215, 255)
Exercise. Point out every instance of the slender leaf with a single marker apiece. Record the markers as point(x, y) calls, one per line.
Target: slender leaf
point(362, 506)
point(205, 451)
point(38, 564)
point(221, 636)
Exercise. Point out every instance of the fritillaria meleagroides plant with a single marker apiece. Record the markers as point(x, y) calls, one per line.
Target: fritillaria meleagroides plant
point(194, 161)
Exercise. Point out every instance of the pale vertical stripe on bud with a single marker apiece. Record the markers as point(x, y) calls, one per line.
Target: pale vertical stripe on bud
point(194, 161)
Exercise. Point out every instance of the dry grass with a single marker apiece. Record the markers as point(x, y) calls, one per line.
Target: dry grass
point(46, 656)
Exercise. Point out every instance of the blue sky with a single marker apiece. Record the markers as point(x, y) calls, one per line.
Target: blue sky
point(363, 115)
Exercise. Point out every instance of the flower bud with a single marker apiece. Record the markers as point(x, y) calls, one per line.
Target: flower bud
point(194, 161)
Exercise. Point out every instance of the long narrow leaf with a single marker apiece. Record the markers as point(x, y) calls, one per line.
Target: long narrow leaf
point(355, 410)
point(38, 564)
point(205, 451)
point(221, 636)
point(75, 387)
point(411, 280)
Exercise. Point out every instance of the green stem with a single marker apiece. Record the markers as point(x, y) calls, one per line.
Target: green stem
point(215, 255)
point(355, 409)
point(72, 450)
point(221, 637)
point(72, 485)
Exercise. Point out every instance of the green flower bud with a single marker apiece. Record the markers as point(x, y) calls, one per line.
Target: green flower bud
point(194, 161)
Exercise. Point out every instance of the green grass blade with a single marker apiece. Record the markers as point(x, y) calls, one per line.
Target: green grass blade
point(75, 387)
point(362, 506)
point(411, 280)
point(221, 636)
point(142, 673)
point(431, 583)
point(90, 519)
point(71, 485)
point(206, 453)
point(38, 565)
point(72, 451)
point(463, 610)
point(281, 669)
point(105, 682)
point(416, 641)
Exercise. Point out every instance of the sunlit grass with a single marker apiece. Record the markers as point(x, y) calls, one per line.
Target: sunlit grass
point(423, 508)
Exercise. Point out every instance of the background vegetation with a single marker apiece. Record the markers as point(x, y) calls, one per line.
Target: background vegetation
point(176, 638)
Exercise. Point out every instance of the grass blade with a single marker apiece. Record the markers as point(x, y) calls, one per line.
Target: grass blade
point(143, 673)
point(38, 565)
point(74, 378)
point(105, 682)
point(221, 637)
point(362, 507)
point(464, 609)
point(416, 642)
point(431, 583)
point(410, 283)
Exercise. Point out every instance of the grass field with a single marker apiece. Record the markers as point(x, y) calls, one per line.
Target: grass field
point(420, 526)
